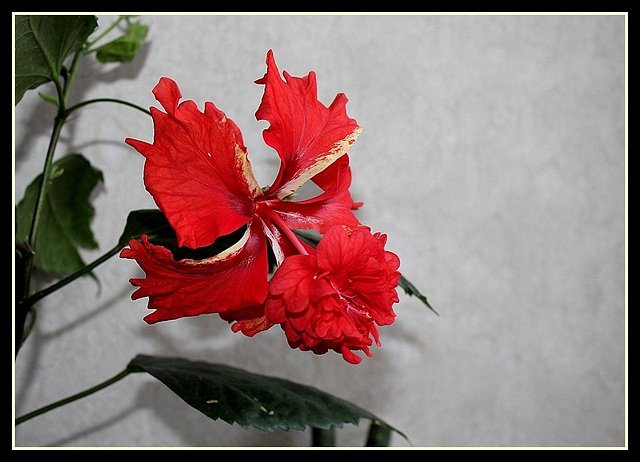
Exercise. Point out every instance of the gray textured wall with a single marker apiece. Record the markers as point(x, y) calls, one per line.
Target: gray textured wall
point(493, 156)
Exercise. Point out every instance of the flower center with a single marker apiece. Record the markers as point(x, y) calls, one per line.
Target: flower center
point(351, 303)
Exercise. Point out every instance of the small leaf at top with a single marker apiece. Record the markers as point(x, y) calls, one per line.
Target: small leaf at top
point(42, 43)
point(238, 396)
point(65, 218)
point(124, 48)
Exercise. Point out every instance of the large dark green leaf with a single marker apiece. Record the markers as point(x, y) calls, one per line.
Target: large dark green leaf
point(42, 43)
point(237, 396)
point(65, 217)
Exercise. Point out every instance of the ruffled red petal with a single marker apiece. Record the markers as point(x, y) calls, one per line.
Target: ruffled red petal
point(333, 299)
point(307, 135)
point(332, 207)
point(233, 283)
point(197, 169)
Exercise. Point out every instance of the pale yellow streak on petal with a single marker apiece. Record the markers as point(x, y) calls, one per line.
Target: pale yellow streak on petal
point(222, 255)
point(337, 150)
point(247, 172)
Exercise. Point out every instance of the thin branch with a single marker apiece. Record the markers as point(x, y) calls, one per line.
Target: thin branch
point(31, 300)
point(72, 398)
point(107, 100)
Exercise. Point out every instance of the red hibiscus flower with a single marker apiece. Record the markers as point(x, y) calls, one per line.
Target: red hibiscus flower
point(332, 298)
point(199, 175)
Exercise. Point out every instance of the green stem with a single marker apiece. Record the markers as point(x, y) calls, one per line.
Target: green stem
point(323, 437)
point(108, 100)
point(46, 174)
point(104, 33)
point(26, 301)
point(21, 309)
point(63, 98)
point(31, 300)
point(26, 264)
point(70, 77)
point(379, 435)
point(75, 397)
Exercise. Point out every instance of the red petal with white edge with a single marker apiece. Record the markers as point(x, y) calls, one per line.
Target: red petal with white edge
point(233, 282)
point(332, 207)
point(307, 135)
point(326, 178)
point(197, 169)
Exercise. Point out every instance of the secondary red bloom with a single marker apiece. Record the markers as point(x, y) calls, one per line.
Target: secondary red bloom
point(199, 174)
point(333, 298)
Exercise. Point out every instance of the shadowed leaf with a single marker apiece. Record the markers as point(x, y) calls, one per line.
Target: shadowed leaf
point(124, 48)
point(65, 216)
point(151, 222)
point(237, 396)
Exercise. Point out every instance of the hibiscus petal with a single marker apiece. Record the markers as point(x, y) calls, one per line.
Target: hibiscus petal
point(307, 135)
point(339, 251)
point(230, 282)
point(332, 207)
point(249, 326)
point(326, 178)
point(292, 281)
point(368, 271)
point(197, 169)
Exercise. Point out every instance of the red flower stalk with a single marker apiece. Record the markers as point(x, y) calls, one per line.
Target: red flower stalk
point(199, 174)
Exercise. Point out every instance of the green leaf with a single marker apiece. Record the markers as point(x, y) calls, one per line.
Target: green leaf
point(49, 98)
point(412, 290)
point(124, 48)
point(237, 396)
point(153, 223)
point(66, 215)
point(42, 43)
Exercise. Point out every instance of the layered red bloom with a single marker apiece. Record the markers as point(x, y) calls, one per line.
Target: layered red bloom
point(199, 174)
point(333, 298)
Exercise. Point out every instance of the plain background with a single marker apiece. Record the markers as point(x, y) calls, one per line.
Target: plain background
point(493, 156)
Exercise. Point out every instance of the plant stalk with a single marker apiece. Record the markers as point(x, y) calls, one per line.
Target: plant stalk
point(32, 299)
point(72, 398)
point(379, 435)
point(107, 100)
point(26, 262)
point(323, 437)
